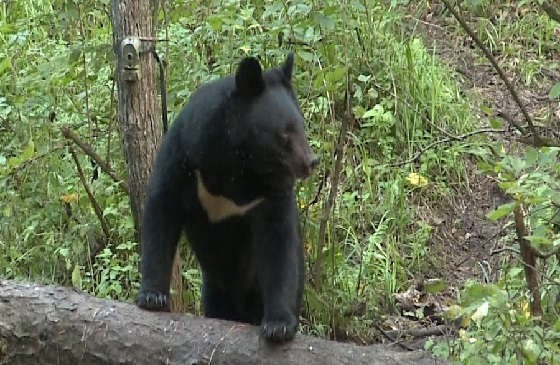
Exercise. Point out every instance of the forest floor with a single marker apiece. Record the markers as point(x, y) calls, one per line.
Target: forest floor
point(466, 244)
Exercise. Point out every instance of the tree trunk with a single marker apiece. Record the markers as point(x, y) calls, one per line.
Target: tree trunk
point(139, 122)
point(55, 325)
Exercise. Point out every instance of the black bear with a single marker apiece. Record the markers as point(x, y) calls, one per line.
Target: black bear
point(225, 173)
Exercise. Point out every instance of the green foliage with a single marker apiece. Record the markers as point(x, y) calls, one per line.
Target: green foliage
point(400, 96)
point(48, 227)
point(534, 181)
point(498, 326)
point(554, 91)
point(518, 30)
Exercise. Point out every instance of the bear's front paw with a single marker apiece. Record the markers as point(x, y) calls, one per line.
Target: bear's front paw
point(153, 300)
point(279, 330)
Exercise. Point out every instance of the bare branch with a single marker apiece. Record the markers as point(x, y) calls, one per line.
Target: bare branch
point(90, 195)
point(528, 257)
point(536, 137)
point(91, 153)
point(447, 140)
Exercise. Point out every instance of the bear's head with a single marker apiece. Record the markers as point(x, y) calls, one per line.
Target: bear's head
point(272, 139)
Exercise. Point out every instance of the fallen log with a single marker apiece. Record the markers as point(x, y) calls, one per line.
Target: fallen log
point(55, 325)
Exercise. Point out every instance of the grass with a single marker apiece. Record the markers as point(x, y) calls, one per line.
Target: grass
point(375, 244)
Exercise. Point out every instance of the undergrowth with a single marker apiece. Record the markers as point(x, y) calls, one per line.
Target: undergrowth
point(401, 100)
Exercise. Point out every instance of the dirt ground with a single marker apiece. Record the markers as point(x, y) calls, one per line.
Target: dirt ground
point(465, 242)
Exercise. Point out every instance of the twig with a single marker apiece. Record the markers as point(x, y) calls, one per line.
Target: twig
point(547, 141)
point(220, 342)
point(447, 140)
point(546, 255)
point(153, 39)
point(504, 249)
point(536, 137)
point(392, 339)
point(91, 153)
point(422, 332)
point(318, 192)
point(33, 159)
point(91, 197)
point(510, 120)
point(425, 22)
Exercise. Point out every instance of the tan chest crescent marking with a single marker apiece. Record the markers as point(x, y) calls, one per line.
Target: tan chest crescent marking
point(219, 207)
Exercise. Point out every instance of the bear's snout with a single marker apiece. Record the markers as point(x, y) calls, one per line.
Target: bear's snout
point(308, 163)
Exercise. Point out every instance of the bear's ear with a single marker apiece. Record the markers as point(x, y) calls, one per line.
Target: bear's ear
point(288, 67)
point(249, 79)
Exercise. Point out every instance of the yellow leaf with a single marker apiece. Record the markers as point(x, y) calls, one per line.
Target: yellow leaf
point(416, 179)
point(525, 309)
point(69, 198)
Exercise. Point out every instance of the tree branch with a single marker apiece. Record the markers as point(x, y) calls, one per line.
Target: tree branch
point(536, 137)
point(528, 260)
point(56, 325)
point(98, 160)
point(447, 140)
point(90, 195)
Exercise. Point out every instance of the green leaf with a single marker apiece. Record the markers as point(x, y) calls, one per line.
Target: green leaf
point(434, 286)
point(502, 211)
point(370, 113)
point(28, 151)
point(554, 91)
point(5, 64)
point(306, 56)
point(557, 325)
point(318, 83)
point(76, 277)
point(475, 293)
point(481, 312)
point(531, 156)
point(324, 21)
point(215, 22)
point(487, 110)
point(337, 74)
point(8, 28)
point(496, 123)
point(530, 351)
point(539, 240)
point(364, 78)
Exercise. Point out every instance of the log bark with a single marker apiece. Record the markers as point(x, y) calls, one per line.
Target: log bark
point(56, 325)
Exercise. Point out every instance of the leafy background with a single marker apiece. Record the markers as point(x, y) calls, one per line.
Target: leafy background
point(384, 233)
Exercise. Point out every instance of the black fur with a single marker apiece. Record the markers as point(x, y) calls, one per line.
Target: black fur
point(240, 138)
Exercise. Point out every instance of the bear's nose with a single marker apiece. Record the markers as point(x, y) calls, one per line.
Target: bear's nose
point(309, 164)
